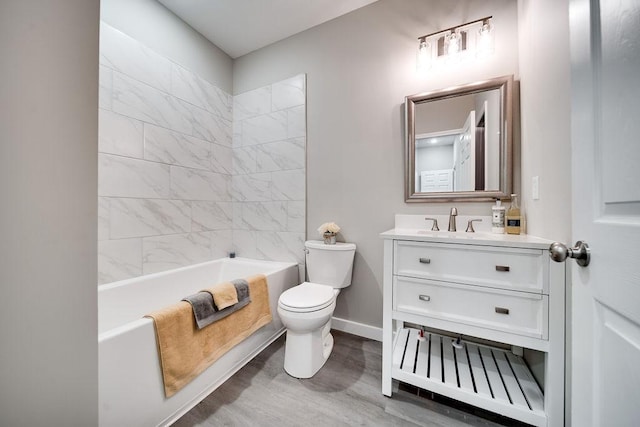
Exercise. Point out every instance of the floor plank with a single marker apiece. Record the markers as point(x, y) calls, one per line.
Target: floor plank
point(345, 392)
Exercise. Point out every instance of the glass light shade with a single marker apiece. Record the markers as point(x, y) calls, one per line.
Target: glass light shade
point(485, 44)
point(455, 43)
point(424, 55)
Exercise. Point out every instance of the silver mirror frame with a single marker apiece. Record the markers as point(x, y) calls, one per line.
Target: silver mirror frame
point(505, 85)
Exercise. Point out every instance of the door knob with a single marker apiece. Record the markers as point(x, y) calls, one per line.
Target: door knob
point(580, 252)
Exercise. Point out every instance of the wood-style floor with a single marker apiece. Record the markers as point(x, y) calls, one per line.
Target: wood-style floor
point(345, 392)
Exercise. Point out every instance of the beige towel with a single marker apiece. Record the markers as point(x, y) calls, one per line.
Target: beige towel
point(224, 295)
point(185, 351)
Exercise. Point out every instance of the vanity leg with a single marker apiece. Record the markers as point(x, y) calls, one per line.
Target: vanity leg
point(387, 322)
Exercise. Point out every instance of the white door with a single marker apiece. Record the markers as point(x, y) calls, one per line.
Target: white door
point(439, 180)
point(465, 156)
point(605, 129)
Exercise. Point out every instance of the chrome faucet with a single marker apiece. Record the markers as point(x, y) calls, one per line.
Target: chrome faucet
point(452, 219)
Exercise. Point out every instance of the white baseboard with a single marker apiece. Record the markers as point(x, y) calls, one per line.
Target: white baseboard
point(355, 328)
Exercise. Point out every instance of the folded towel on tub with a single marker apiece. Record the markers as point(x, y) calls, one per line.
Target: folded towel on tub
point(205, 311)
point(224, 295)
point(185, 351)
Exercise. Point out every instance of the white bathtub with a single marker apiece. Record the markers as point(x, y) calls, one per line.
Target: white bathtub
point(130, 380)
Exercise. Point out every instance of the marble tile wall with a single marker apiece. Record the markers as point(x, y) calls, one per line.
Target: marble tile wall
point(165, 163)
point(268, 184)
point(189, 173)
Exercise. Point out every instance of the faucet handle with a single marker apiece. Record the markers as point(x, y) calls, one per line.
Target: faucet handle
point(454, 211)
point(435, 224)
point(470, 225)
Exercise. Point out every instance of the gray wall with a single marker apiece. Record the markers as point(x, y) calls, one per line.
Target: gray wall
point(546, 140)
point(546, 116)
point(155, 26)
point(48, 220)
point(359, 69)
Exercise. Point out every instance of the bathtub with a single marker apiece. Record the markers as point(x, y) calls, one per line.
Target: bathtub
point(130, 380)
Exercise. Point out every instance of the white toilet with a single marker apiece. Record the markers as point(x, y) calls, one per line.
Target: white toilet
point(306, 309)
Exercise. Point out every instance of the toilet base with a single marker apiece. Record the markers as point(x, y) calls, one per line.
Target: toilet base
point(306, 353)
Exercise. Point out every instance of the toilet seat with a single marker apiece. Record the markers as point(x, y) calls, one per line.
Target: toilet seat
point(307, 297)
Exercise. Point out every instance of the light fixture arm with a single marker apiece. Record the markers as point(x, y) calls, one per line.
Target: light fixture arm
point(486, 18)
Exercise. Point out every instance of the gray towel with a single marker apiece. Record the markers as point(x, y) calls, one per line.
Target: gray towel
point(205, 312)
point(242, 289)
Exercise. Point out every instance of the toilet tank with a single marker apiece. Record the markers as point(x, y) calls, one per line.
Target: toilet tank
point(330, 264)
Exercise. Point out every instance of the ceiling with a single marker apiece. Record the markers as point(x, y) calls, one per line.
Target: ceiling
point(242, 26)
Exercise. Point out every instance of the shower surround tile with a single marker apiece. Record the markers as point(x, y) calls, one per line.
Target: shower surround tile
point(103, 218)
point(288, 93)
point(211, 216)
point(162, 253)
point(252, 187)
point(171, 186)
point(288, 185)
point(208, 126)
point(252, 103)
point(148, 217)
point(193, 184)
point(199, 92)
point(222, 159)
point(296, 217)
point(105, 87)
point(125, 55)
point(281, 155)
point(265, 128)
point(221, 243)
point(118, 134)
point(245, 243)
point(265, 216)
point(269, 162)
point(244, 160)
point(236, 130)
point(296, 122)
point(174, 148)
point(125, 177)
point(143, 102)
point(281, 246)
point(165, 162)
point(119, 260)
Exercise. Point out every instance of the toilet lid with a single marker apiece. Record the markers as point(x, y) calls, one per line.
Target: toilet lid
point(307, 297)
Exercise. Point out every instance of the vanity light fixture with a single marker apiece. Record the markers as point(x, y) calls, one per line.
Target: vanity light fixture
point(466, 41)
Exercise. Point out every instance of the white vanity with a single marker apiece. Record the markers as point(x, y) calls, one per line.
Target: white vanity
point(480, 286)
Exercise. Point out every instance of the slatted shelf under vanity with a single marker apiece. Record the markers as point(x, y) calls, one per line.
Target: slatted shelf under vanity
point(487, 377)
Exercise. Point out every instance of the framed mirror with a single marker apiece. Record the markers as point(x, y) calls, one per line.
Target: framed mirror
point(459, 143)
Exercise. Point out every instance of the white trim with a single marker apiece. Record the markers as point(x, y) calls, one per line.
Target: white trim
point(355, 328)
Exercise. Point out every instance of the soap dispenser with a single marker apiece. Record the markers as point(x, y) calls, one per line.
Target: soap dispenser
point(513, 216)
point(497, 217)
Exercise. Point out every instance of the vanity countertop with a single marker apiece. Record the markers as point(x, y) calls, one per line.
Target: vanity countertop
point(414, 227)
point(460, 237)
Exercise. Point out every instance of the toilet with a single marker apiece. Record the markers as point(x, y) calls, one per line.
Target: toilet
point(306, 309)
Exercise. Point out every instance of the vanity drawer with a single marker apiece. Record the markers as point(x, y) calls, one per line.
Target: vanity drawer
point(520, 313)
point(496, 267)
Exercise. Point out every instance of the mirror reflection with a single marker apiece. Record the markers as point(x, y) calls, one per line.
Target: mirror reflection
point(459, 142)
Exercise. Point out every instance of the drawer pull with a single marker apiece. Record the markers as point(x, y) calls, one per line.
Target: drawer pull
point(502, 268)
point(425, 260)
point(501, 310)
point(426, 298)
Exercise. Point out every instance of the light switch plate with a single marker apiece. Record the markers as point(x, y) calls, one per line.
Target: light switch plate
point(535, 188)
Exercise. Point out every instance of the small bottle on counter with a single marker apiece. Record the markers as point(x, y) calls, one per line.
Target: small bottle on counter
point(497, 218)
point(513, 216)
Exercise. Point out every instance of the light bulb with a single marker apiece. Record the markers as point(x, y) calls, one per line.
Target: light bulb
point(454, 43)
point(424, 55)
point(485, 39)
